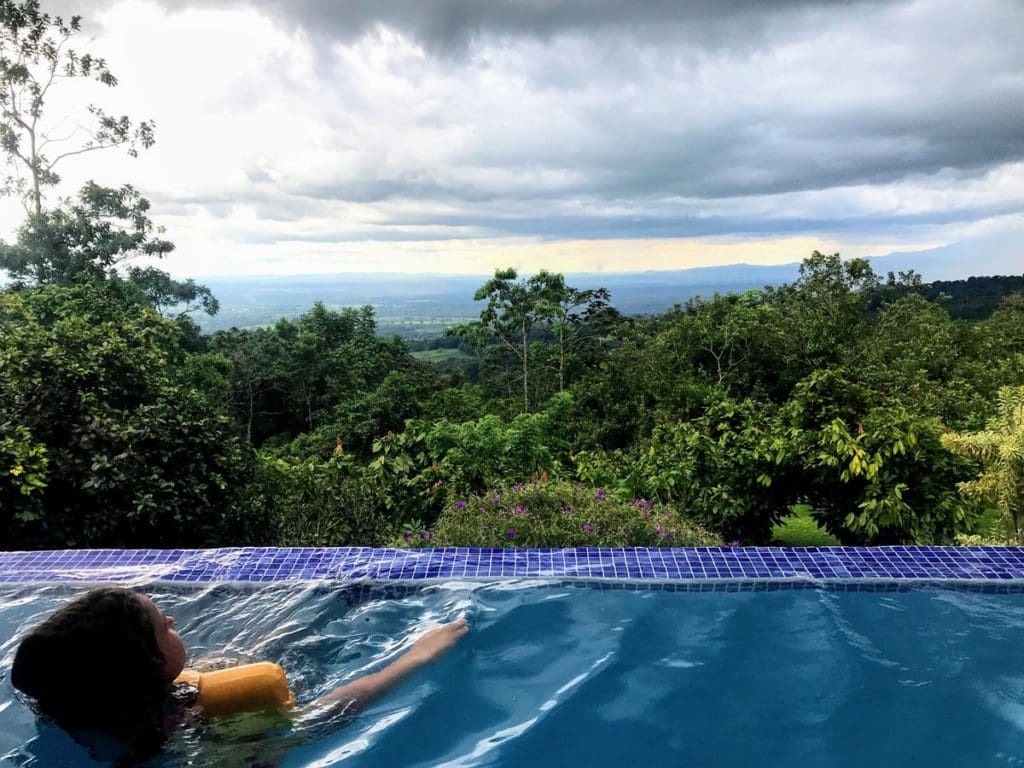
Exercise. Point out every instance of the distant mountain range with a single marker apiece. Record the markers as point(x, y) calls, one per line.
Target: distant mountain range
point(422, 305)
point(418, 305)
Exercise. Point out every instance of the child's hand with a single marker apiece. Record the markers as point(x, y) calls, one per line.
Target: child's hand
point(434, 643)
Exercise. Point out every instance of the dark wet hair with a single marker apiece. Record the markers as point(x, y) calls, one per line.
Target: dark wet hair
point(94, 665)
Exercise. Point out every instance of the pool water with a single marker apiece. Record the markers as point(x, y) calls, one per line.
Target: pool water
point(578, 676)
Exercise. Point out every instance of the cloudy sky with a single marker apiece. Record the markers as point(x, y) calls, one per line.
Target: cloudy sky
point(298, 136)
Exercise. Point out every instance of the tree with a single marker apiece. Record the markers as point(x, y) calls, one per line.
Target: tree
point(568, 310)
point(23, 472)
point(36, 55)
point(725, 468)
point(872, 471)
point(84, 239)
point(1000, 450)
point(255, 387)
point(916, 354)
point(513, 309)
point(173, 298)
point(819, 316)
point(135, 455)
point(724, 341)
point(517, 308)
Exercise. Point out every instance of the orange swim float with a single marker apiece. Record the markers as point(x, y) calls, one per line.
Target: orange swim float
point(246, 688)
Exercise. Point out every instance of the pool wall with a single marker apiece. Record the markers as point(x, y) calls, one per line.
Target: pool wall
point(695, 566)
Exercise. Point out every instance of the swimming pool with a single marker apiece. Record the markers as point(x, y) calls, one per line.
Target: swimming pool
point(779, 671)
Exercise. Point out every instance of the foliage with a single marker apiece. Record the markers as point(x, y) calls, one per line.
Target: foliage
point(915, 353)
point(725, 468)
point(556, 514)
point(975, 298)
point(517, 310)
point(474, 455)
point(319, 503)
point(84, 239)
point(23, 471)
point(872, 471)
point(173, 298)
point(723, 339)
point(136, 457)
point(119, 418)
point(1000, 451)
point(817, 318)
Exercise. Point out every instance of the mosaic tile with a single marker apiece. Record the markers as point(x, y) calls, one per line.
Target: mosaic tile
point(755, 565)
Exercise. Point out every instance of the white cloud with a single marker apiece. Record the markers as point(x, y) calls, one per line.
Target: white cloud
point(387, 135)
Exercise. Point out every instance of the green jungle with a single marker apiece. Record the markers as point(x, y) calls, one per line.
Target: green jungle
point(844, 407)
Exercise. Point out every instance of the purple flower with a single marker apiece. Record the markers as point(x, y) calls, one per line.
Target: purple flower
point(634, 501)
point(517, 487)
point(408, 535)
point(511, 533)
point(600, 494)
point(460, 505)
point(519, 510)
point(586, 527)
point(426, 535)
point(645, 504)
point(579, 484)
point(496, 501)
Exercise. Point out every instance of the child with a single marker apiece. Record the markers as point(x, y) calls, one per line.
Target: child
point(106, 662)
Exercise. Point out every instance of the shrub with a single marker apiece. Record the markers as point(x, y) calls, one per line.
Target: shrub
point(557, 514)
point(873, 472)
point(314, 503)
point(722, 467)
point(1000, 451)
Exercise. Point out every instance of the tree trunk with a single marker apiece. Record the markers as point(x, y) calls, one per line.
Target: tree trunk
point(561, 357)
point(252, 406)
point(37, 197)
point(526, 371)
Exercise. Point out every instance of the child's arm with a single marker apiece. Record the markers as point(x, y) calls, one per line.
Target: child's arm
point(351, 698)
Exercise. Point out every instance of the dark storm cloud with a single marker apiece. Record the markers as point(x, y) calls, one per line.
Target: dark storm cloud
point(451, 25)
point(664, 118)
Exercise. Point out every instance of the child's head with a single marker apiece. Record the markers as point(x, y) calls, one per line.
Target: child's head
point(105, 661)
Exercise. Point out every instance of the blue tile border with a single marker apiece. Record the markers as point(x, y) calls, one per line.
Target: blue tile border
point(740, 565)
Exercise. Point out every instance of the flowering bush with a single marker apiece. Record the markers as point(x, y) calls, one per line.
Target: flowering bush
point(557, 514)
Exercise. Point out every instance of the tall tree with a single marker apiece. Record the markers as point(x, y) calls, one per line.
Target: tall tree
point(516, 308)
point(256, 377)
point(513, 308)
point(568, 310)
point(36, 54)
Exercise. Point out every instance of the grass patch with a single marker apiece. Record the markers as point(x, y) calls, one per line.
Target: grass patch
point(439, 355)
point(800, 530)
point(993, 529)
